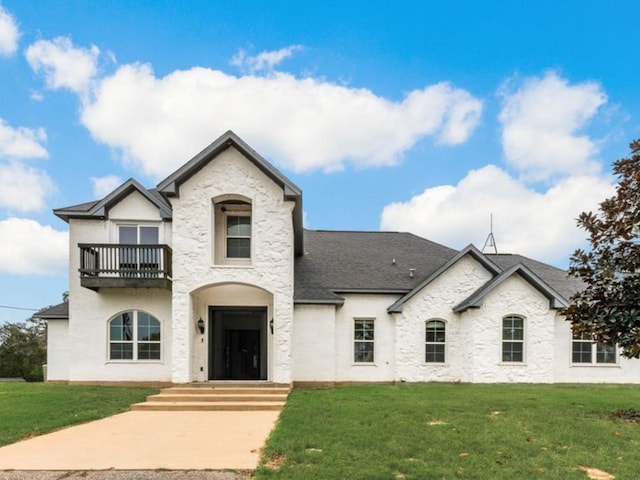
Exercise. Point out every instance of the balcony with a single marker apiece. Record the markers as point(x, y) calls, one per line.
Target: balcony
point(107, 265)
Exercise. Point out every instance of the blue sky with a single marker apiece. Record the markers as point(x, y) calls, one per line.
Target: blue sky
point(416, 116)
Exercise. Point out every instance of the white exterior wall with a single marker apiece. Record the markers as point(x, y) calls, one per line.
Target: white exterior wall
point(514, 297)
point(365, 306)
point(90, 311)
point(57, 350)
point(271, 266)
point(435, 302)
point(625, 371)
point(314, 343)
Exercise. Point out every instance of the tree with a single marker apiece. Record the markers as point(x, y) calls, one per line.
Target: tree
point(23, 349)
point(608, 308)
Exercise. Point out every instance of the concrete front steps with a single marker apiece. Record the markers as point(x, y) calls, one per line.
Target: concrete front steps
point(217, 396)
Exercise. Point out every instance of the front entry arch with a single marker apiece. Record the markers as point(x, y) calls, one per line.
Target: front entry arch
point(237, 343)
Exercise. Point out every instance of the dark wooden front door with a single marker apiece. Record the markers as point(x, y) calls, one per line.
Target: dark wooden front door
point(242, 351)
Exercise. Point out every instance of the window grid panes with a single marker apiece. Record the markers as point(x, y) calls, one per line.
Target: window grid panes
point(513, 339)
point(435, 338)
point(363, 345)
point(238, 236)
point(585, 351)
point(134, 335)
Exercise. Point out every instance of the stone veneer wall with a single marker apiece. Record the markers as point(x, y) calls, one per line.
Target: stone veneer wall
point(271, 266)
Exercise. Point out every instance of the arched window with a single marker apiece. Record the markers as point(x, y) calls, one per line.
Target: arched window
point(232, 230)
point(134, 335)
point(513, 339)
point(435, 341)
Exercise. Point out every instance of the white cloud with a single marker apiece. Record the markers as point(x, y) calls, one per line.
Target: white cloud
point(29, 248)
point(63, 64)
point(302, 124)
point(541, 121)
point(264, 61)
point(9, 33)
point(103, 186)
point(540, 225)
point(22, 188)
point(21, 142)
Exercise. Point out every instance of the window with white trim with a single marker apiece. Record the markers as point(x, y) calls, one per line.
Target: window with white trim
point(512, 339)
point(435, 341)
point(133, 336)
point(232, 230)
point(363, 341)
point(584, 351)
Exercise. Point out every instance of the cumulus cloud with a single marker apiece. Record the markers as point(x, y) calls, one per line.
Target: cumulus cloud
point(541, 120)
point(23, 188)
point(63, 64)
point(264, 61)
point(538, 224)
point(302, 124)
point(103, 186)
point(21, 142)
point(9, 33)
point(22, 252)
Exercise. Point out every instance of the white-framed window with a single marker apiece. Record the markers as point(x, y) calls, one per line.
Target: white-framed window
point(135, 336)
point(232, 230)
point(138, 234)
point(363, 340)
point(512, 339)
point(238, 235)
point(584, 351)
point(134, 258)
point(435, 341)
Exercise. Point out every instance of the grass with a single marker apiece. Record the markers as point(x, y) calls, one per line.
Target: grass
point(446, 431)
point(30, 409)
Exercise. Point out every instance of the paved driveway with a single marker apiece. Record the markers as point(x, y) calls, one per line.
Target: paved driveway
point(139, 440)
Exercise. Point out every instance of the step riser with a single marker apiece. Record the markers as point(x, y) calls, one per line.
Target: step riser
point(225, 391)
point(206, 408)
point(217, 398)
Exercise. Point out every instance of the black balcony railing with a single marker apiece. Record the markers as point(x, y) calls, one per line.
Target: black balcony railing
point(125, 265)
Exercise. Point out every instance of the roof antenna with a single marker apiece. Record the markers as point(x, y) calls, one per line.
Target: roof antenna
point(490, 242)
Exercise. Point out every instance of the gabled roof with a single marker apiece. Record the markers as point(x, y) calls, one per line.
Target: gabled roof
point(170, 186)
point(475, 299)
point(100, 209)
point(470, 250)
point(337, 262)
point(55, 312)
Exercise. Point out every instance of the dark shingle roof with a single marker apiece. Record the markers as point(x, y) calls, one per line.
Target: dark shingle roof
point(556, 278)
point(339, 261)
point(55, 312)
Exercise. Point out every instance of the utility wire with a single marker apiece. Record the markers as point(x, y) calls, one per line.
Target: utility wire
point(20, 308)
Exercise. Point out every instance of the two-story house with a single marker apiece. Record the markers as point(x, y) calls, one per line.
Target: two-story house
point(211, 276)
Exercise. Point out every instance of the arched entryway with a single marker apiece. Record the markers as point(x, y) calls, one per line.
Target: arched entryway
point(236, 342)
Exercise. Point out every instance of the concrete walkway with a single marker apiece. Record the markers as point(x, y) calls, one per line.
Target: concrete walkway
point(141, 440)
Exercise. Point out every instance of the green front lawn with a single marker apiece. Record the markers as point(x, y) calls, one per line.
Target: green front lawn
point(30, 409)
point(446, 431)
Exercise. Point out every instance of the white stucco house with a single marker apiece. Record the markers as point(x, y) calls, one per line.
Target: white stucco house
point(211, 276)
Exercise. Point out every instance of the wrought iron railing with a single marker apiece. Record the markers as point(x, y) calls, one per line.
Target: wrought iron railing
point(108, 260)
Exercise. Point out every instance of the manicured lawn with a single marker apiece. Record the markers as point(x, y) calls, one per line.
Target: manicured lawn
point(445, 431)
point(30, 409)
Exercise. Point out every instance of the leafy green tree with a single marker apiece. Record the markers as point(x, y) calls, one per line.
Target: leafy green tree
point(608, 307)
point(23, 349)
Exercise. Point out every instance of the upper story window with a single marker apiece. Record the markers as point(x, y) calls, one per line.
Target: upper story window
point(513, 339)
point(138, 234)
point(134, 335)
point(232, 230)
point(435, 341)
point(585, 351)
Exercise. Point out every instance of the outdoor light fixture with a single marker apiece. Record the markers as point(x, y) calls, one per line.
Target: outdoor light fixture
point(201, 326)
point(271, 326)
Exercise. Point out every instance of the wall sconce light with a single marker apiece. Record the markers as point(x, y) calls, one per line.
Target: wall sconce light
point(271, 326)
point(201, 326)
